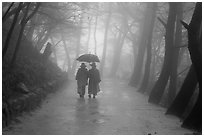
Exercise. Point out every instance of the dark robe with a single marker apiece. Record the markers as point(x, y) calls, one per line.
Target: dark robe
point(94, 79)
point(82, 78)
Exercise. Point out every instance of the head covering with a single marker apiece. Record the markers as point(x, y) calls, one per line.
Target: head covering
point(93, 64)
point(83, 65)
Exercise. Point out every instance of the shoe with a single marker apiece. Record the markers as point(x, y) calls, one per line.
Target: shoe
point(89, 96)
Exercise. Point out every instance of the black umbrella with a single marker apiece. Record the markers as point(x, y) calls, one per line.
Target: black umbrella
point(88, 58)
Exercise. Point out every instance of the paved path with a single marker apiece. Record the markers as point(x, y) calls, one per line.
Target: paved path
point(118, 109)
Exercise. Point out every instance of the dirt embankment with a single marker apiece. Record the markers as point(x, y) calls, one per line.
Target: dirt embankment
point(26, 83)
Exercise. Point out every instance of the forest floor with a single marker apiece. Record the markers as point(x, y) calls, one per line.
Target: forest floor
point(117, 110)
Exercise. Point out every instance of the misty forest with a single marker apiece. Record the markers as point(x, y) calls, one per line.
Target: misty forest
point(148, 55)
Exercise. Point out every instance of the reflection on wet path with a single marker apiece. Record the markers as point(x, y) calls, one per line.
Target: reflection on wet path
point(118, 109)
point(86, 116)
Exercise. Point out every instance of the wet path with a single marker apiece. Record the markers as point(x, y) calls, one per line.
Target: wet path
point(118, 109)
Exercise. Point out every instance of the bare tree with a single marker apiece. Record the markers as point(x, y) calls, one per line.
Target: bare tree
point(3, 18)
point(105, 40)
point(159, 87)
point(175, 55)
point(145, 80)
point(23, 23)
point(181, 101)
point(8, 38)
point(118, 46)
point(140, 51)
point(194, 119)
point(95, 28)
point(78, 44)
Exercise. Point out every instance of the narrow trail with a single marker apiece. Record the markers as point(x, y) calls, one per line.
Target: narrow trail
point(118, 109)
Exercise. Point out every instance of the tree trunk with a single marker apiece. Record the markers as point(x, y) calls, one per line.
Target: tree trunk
point(139, 64)
point(95, 41)
point(154, 61)
point(47, 52)
point(3, 18)
point(116, 55)
point(31, 29)
point(39, 38)
point(139, 59)
point(179, 104)
point(118, 47)
point(105, 41)
point(23, 23)
point(12, 12)
point(175, 55)
point(194, 119)
point(30, 33)
point(145, 80)
point(133, 77)
point(89, 34)
point(54, 50)
point(78, 45)
point(43, 40)
point(67, 54)
point(6, 45)
point(159, 87)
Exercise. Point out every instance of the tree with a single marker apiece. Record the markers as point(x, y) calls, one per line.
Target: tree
point(140, 51)
point(194, 119)
point(179, 104)
point(43, 38)
point(105, 40)
point(23, 23)
point(3, 18)
point(89, 34)
point(67, 53)
point(12, 11)
point(6, 45)
point(53, 47)
point(47, 52)
point(31, 29)
point(175, 55)
point(118, 46)
point(159, 87)
point(78, 44)
point(145, 80)
point(95, 28)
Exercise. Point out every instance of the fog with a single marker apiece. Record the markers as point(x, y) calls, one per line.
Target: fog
point(152, 47)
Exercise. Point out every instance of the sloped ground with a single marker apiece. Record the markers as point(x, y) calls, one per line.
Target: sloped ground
point(118, 109)
point(28, 81)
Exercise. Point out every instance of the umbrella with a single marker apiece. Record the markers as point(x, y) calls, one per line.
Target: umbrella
point(88, 58)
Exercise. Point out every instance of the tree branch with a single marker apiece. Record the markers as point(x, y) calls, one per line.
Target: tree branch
point(23, 21)
point(57, 43)
point(124, 34)
point(7, 11)
point(162, 22)
point(33, 13)
point(13, 12)
point(185, 25)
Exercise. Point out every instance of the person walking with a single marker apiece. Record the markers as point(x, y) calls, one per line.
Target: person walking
point(82, 78)
point(94, 80)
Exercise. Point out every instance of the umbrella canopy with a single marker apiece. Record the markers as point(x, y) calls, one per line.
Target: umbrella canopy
point(88, 58)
